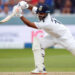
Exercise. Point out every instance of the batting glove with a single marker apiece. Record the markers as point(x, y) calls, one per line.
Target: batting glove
point(18, 11)
point(23, 4)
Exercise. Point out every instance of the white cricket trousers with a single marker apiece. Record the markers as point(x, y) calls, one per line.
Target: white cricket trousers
point(66, 40)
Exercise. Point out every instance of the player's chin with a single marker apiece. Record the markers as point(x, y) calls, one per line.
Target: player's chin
point(40, 18)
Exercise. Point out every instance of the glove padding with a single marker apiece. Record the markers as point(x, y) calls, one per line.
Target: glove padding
point(18, 11)
point(23, 4)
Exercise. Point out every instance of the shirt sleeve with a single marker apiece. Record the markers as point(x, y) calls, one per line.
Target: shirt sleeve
point(39, 25)
point(34, 10)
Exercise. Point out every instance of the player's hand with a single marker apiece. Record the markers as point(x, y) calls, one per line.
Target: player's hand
point(23, 4)
point(17, 10)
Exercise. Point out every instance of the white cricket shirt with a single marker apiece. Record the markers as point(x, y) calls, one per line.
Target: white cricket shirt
point(50, 25)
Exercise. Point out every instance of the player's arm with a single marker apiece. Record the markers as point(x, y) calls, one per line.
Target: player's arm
point(24, 5)
point(27, 22)
point(30, 7)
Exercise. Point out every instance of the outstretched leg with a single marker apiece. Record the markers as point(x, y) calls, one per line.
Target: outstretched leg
point(68, 42)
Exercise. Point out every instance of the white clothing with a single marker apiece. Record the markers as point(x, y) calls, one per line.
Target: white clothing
point(57, 33)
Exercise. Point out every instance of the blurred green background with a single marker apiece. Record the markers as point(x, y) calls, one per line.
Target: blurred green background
point(17, 60)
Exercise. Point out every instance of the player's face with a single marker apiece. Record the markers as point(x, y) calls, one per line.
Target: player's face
point(41, 15)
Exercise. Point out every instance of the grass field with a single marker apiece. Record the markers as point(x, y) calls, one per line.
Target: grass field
point(17, 60)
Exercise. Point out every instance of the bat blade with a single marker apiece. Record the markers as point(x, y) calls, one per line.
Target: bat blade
point(7, 18)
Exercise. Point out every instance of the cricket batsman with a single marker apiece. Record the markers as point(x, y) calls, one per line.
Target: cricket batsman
point(57, 33)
